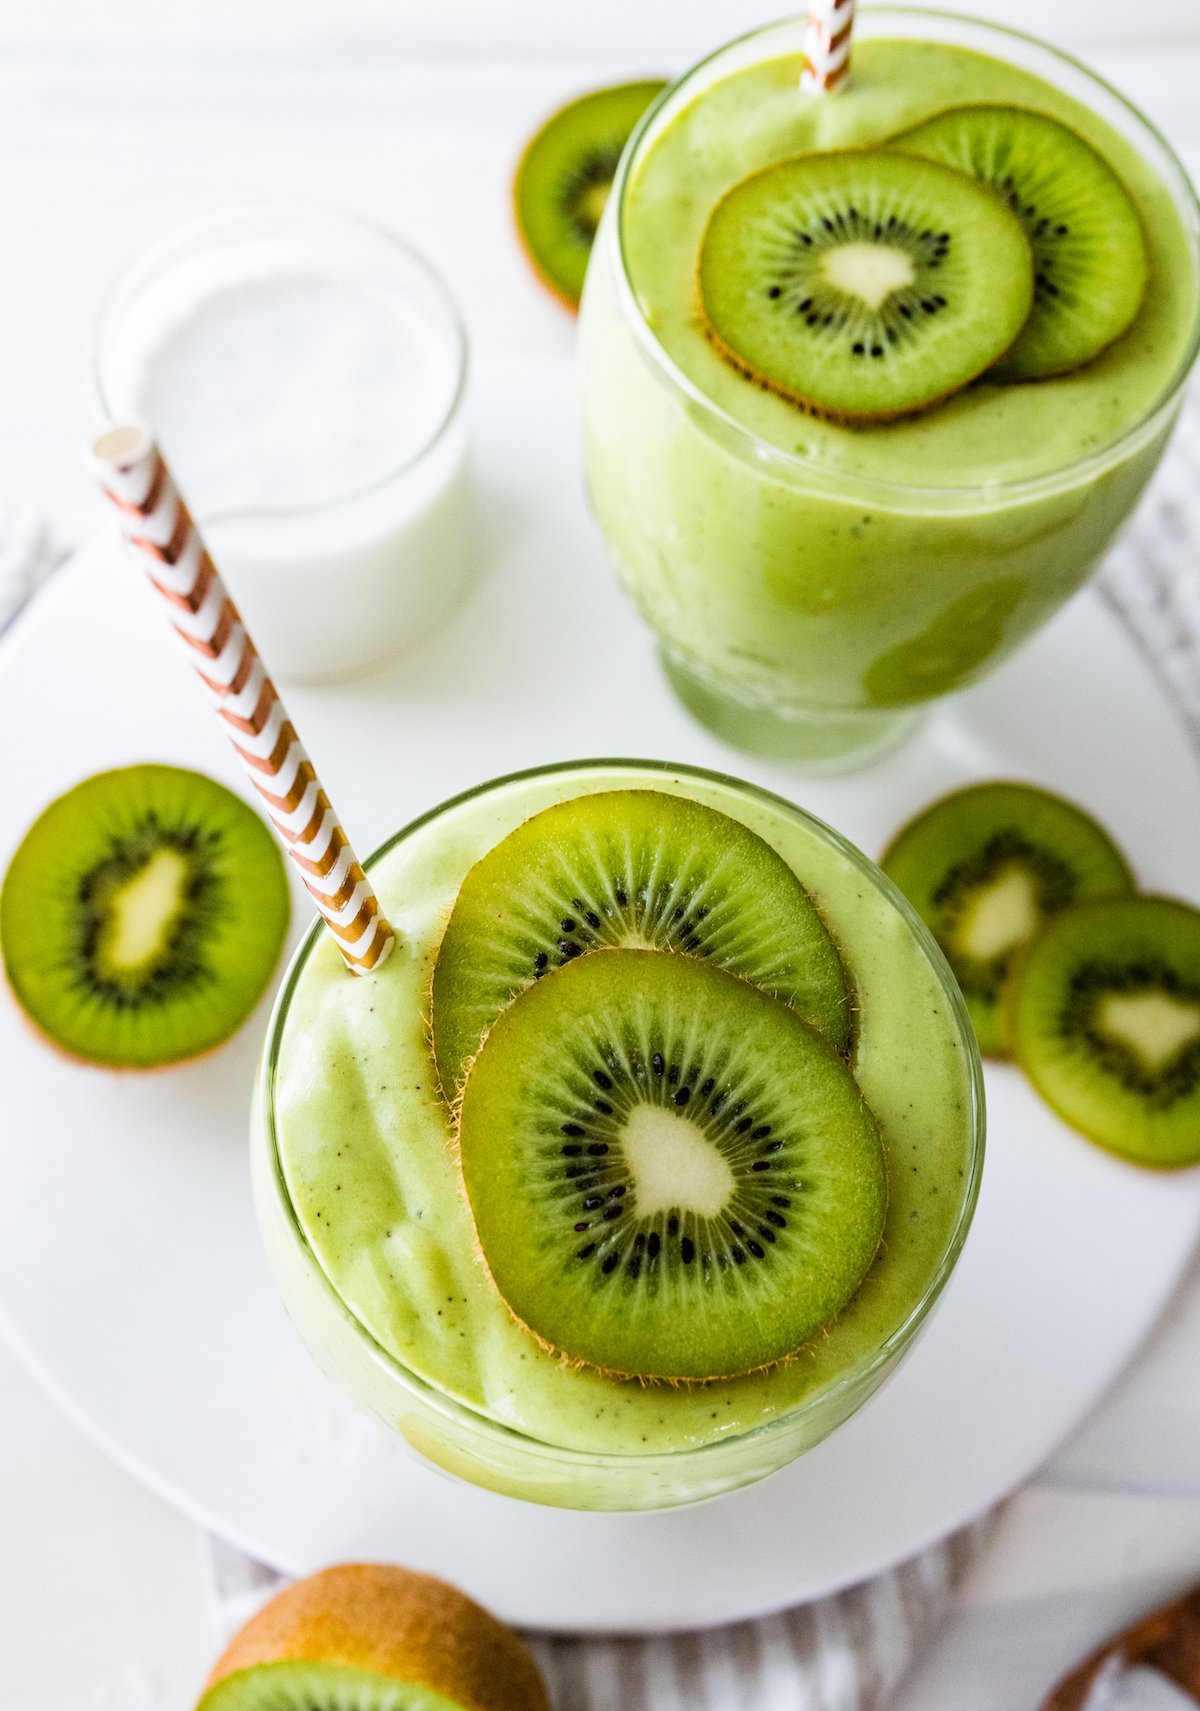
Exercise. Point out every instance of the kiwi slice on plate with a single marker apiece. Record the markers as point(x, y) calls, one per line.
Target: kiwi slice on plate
point(564, 179)
point(986, 867)
point(671, 1175)
point(1103, 1015)
point(628, 868)
point(364, 1637)
point(1089, 251)
point(142, 915)
point(863, 284)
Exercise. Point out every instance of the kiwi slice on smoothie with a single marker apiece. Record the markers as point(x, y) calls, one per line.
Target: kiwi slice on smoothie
point(1103, 1015)
point(863, 284)
point(986, 867)
point(672, 1176)
point(628, 868)
point(564, 178)
point(365, 1637)
point(1090, 265)
point(142, 915)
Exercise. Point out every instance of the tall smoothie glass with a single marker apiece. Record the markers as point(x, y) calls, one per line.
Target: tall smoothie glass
point(813, 586)
point(370, 1238)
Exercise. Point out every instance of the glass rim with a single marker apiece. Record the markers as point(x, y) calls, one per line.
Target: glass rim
point(1176, 179)
point(846, 1383)
point(169, 245)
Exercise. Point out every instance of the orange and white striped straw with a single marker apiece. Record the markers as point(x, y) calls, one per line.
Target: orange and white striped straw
point(157, 524)
point(827, 45)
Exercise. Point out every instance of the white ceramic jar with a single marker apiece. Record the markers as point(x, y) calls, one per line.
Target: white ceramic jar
point(305, 375)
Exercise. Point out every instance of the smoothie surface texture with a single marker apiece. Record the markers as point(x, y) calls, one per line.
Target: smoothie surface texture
point(365, 1144)
point(984, 436)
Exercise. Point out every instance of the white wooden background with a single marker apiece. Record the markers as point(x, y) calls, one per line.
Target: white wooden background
point(350, 31)
point(119, 118)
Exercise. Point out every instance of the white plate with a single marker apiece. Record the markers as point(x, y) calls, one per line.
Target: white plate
point(130, 1271)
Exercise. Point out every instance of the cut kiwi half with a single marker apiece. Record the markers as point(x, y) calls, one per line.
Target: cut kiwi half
point(986, 867)
point(1103, 1015)
point(863, 284)
point(640, 868)
point(365, 1637)
point(564, 179)
point(142, 915)
point(672, 1176)
point(1090, 265)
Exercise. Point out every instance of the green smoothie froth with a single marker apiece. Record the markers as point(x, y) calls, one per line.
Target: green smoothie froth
point(989, 434)
point(366, 1152)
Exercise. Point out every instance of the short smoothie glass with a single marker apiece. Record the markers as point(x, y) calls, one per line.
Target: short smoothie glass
point(812, 585)
point(368, 1233)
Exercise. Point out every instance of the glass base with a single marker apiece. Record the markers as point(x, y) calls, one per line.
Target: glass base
point(815, 740)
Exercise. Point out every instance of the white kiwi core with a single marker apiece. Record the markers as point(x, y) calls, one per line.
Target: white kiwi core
point(870, 272)
point(593, 203)
point(674, 1167)
point(1001, 916)
point(143, 910)
point(1152, 1025)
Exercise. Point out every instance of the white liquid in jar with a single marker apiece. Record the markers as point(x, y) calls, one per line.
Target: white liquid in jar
point(307, 408)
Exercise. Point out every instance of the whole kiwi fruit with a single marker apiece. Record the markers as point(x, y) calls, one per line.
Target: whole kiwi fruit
point(368, 1637)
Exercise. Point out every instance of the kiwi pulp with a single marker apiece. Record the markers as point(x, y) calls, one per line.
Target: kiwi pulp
point(1089, 251)
point(671, 1175)
point(863, 284)
point(1103, 1015)
point(628, 868)
point(564, 179)
point(985, 868)
point(142, 915)
point(365, 1637)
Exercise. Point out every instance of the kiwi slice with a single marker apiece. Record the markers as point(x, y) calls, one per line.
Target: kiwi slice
point(142, 915)
point(671, 1175)
point(863, 284)
point(1103, 1015)
point(986, 867)
point(628, 867)
point(364, 1637)
point(564, 179)
point(1090, 265)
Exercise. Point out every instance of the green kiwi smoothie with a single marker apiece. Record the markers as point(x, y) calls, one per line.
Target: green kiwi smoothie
point(821, 572)
point(363, 1211)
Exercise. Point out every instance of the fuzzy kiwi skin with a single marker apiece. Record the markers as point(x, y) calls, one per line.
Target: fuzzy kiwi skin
point(393, 1623)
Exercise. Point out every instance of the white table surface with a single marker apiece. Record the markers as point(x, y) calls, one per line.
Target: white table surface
point(119, 120)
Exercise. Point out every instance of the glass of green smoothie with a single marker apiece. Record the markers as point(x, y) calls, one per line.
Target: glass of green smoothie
point(639, 1163)
point(819, 561)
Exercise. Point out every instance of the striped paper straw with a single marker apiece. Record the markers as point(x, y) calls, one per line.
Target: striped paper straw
point(157, 524)
point(826, 45)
